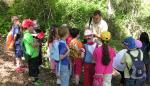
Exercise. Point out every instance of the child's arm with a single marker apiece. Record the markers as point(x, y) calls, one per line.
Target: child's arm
point(66, 54)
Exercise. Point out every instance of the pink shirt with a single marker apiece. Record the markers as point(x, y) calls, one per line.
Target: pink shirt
point(99, 67)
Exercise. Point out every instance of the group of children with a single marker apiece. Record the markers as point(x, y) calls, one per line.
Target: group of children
point(74, 55)
point(24, 39)
point(99, 61)
point(69, 56)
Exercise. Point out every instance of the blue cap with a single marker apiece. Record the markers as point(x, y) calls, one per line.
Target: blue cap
point(129, 42)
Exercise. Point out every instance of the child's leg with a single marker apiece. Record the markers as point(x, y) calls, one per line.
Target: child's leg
point(86, 75)
point(107, 79)
point(33, 68)
point(98, 80)
point(18, 62)
point(64, 75)
point(78, 70)
point(129, 82)
point(92, 72)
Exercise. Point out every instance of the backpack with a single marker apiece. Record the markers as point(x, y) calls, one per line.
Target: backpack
point(10, 41)
point(54, 51)
point(89, 52)
point(137, 69)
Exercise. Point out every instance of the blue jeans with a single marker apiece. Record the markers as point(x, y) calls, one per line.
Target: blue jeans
point(133, 82)
point(64, 75)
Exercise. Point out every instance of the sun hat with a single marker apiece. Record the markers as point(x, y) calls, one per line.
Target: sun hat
point(138, 43)
point(105, 36)
point(129, 42)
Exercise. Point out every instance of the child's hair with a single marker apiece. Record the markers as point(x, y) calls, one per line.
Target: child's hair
point(144, 37)
point(105, 53)
point(74, 32)
point(63, 31)
point(105, 37)
point(53, 32)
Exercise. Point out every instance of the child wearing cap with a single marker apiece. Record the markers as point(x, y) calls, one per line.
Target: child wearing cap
point(103, 57)
point(32, 50)
point(88, 59)
point(129, 59)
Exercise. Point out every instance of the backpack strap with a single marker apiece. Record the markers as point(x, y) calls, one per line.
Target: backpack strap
point(132, 57)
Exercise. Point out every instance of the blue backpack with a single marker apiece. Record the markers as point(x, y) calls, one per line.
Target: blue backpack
point(137, 69)
point(54, 51)
point(89, 52)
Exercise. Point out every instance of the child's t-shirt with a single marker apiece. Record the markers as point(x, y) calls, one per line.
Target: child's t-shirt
point(89, 49)
point(62, 50)
point(75, 48)
point(28, 40)
point(99, 67)
point(117, 60)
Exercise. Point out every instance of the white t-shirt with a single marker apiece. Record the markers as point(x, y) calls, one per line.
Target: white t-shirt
point(117, 60)
point(98, 28)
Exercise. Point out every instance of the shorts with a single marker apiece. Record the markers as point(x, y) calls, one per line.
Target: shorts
point(77, 66)
point(18, 51)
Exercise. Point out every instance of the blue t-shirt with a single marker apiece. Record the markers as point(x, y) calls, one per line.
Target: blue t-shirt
point(62, 51)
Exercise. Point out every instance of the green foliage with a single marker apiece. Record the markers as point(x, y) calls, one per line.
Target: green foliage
point(76, 13)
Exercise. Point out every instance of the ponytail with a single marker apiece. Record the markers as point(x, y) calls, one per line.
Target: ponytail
point(105, 54)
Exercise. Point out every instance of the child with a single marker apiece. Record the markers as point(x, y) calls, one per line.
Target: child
point(32, 51)
point(144, 38)
point(133, 59)
point(76, 53)
point(103, 57)
point(53, 37)
point(16, 32)
point(53, 42)
point(88, 63)
point(64, 62)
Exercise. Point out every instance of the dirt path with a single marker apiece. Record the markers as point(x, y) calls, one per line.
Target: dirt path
point(8, 76)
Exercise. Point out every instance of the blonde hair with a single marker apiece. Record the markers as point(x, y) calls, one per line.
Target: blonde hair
point(63, 31)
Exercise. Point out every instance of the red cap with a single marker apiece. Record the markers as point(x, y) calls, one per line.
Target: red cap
point(27, 23)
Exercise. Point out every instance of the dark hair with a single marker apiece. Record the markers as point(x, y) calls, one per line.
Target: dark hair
point(74, 32)
point(105, 54)
point(144, 38)
point(52, 33)
point(63, 31)
point(97, 12)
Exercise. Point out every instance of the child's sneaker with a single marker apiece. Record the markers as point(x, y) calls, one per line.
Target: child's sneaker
point(58, 82)
point(37, 83)
point(20, 70)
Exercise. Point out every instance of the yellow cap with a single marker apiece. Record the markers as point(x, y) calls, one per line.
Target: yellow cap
point(105, 36)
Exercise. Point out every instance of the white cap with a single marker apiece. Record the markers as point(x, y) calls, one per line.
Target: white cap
point(88, 33)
